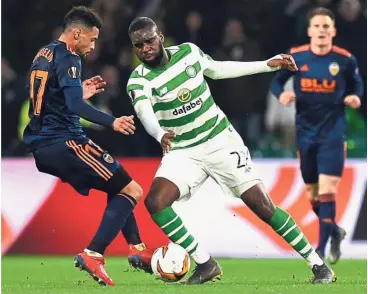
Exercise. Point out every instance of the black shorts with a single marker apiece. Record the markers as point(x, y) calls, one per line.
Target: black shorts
point(83, 165)
point(326, 157)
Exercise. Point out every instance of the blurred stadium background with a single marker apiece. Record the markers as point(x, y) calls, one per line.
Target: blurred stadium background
point(41, 213)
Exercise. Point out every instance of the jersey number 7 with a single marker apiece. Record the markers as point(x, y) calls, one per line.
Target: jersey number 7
point(41, 76)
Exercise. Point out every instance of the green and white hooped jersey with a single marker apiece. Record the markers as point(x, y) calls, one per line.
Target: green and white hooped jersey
point(180, 96)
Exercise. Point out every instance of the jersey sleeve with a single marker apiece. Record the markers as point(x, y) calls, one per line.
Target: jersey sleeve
point(204, 59)
point(68, 71)
point(354, 82)
point(279, 81)
point(137, 88)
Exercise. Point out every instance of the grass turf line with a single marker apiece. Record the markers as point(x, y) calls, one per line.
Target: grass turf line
point(41, 275)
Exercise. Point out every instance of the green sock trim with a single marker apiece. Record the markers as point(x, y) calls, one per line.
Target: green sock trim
point(277, 221)
point(193, 250)
point(173, 227)
point(188, 241)
point(285, 226)
point(176, 237)
point(164, 216)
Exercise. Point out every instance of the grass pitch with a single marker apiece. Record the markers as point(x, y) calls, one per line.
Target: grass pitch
point(41, 274)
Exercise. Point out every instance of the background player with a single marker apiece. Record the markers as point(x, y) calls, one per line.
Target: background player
point(328, 80)
point(55, 137)
point(174, 104)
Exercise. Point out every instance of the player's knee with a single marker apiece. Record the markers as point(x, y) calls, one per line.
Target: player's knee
point(257, 199)
point(134, 190)
point(162, 194)
point(327, 189)
point(311, 190)
point(152, 204)
point(328, 184)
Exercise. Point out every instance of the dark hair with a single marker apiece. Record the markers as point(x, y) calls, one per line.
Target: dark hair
point(140, 23)
point(82, 15)
point(320, 11)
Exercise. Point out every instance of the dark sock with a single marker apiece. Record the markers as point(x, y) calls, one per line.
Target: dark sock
point(315, 206)
point(130, 229)
point(131, 232)
point(335, 231)
point(326, 220)
point(115, 216)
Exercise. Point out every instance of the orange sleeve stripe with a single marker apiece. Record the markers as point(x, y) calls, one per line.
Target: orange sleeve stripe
point(299, 49)
point(341, 51)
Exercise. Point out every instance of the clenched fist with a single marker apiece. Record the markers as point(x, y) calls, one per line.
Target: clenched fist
point(286, 98)
point(285, 62)
point(353, 101)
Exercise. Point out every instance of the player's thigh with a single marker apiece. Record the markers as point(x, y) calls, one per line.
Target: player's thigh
point(307, 154)
point(232, 167)
point(83, 165)
point(183, 171)
point(331, 159)
point(328, 184)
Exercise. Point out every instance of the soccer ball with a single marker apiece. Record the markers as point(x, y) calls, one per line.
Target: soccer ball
point(170, 262)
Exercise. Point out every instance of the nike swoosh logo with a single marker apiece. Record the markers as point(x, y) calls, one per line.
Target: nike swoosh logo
point(210, 274)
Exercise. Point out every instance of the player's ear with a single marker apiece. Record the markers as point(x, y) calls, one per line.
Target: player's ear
point(162, 38)
point(334, 32)
point(77, 33)
point(309, 32)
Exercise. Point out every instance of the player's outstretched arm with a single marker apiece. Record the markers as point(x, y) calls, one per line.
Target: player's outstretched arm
point(124, 125)
point(76, 104)
point(148, 119)
point(234, 69)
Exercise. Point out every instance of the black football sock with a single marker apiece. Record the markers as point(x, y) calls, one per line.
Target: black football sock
point(117, 211)
point(130, 229)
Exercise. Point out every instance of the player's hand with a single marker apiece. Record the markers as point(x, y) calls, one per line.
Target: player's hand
point(287, 97)
point(166, 141)
point(285, 62)
point(124, 125)
point(93, 86)
point(353, 101)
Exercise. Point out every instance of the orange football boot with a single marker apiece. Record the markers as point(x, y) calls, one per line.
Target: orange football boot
point(140, 257)
point(94, 266)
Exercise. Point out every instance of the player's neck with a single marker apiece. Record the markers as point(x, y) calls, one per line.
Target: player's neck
point(68, 40)
point(321, 50)
point(164, 60)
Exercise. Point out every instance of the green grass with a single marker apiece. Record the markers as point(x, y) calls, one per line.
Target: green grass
point(42, 274)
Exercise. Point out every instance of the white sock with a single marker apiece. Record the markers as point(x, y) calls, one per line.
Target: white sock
point(200, 256)
point(313, 259)
point(92, 253)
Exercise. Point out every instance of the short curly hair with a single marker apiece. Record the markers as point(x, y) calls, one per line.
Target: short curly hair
point(82, 15)
point(140, 23)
